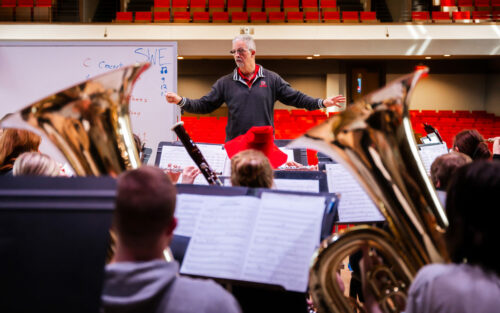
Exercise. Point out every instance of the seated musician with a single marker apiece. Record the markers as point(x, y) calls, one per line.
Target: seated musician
point(138, 278)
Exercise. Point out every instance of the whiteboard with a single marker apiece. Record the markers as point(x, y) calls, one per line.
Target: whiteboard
point(30, 71)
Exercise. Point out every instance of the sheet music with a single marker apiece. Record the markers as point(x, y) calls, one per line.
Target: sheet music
point(289, 153)
point(429, 153)
point(187, 209)
point(355, 205)
point(305, 185)
point(221, 236)
point(215, 155)
point(286, 233)
point(268, 240)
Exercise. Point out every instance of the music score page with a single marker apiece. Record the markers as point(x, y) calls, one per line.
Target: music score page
point(269, 240)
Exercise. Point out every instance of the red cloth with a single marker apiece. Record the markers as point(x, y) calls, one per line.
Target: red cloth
point(249, 81)
point(258, 138)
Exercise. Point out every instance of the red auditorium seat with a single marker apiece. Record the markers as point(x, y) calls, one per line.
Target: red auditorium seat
point(291, 6)
point(215, 6)
point(201, 17)
point(179, 6)
point(239, 17)
point(331, 17)
point(422, 16)
point(350, 17)
point(258, 17)
point(182, 17)
point(312, 17)
point(161, 17)
point(482, 5)
point(495, 16)
point(220, 17)
point(295, 17)
point(254, 6)
point(197, 6)
point(24, 10)
point(276, 17)
point(466, 5)
point(449, 6)
point(463, 17)
point(42, 12)
point(272, 5)
point(481, 16)
point(368, 17)
point(234, 6)
point(328, 6)
point(124, 17)
point(310, 5)
point(441, 17)
point(495, 4)
point(7, 9)
point(142, 17)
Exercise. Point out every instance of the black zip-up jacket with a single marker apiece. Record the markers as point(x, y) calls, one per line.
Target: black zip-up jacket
point(250, 106)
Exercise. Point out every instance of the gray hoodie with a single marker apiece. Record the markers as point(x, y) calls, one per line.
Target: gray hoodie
point(155, 286)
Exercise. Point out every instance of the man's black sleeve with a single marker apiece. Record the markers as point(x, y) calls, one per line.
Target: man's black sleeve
point(206, 104)
point(289, 96)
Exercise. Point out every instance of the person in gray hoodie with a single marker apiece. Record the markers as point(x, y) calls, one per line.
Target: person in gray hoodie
point(138, 279)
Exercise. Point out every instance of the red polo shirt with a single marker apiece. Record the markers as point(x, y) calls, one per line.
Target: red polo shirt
point(249, 81)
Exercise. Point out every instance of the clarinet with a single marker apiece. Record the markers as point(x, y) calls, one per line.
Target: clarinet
point(195, 154)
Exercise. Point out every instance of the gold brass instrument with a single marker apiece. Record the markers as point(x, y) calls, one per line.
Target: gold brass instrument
point(373, 139)
point(89, 122)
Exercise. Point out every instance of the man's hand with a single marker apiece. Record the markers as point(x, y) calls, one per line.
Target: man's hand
point(172, 97)
point(334, 101)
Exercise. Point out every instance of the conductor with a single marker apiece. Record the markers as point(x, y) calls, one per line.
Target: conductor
point(250, 93)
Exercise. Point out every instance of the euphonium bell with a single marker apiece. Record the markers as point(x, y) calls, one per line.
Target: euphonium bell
point(89, 122)
point(373, 139)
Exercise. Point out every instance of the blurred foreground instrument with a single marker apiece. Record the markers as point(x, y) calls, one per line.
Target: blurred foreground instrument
point(195, 154)
point(373, 139)
point(89, 122)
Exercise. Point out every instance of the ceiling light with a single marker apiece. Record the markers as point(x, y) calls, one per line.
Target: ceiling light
point(316, 55)
point(180, 58)
point(428, 58)
point(446, 55)
point(309, 58)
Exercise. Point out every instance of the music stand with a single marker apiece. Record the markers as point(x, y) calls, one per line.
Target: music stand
point(54, 235)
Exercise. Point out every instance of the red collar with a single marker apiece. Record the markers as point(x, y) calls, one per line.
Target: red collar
point(249, 81)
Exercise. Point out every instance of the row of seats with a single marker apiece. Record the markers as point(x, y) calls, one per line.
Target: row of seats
point(245, 17)
point(292, 124)
point(449, 17)
point(26, 10)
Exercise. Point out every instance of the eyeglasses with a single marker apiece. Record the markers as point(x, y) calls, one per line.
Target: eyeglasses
point(239, 51)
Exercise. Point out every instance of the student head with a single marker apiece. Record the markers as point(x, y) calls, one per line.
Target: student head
point(444, 166)
point(13, 142)
point(470, 142)
point(35, 164)
point(251, 168)
point(144, 213)
point(471, 206)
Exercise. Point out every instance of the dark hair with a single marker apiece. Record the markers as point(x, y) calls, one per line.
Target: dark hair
point(251, 168)
point(145, 204)
point(470, 204)
point(445, 165)
point(470, 142)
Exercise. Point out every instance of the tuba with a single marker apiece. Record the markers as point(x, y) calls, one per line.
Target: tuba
point(374, 140)
point(88, 123)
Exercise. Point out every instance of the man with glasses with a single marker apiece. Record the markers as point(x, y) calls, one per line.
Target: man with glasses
point(250, 93)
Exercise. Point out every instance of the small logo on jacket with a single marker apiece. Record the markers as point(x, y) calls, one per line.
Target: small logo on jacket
point(263, 83)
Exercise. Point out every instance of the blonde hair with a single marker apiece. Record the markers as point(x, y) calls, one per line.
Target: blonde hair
point(251, 168)
point(35, 164)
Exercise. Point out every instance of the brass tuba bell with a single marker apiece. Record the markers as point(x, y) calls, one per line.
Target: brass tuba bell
point(88, 123)
point(373, 139)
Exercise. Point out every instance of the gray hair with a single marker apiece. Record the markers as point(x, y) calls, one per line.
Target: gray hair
point(248, 41)
point(35, 164)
